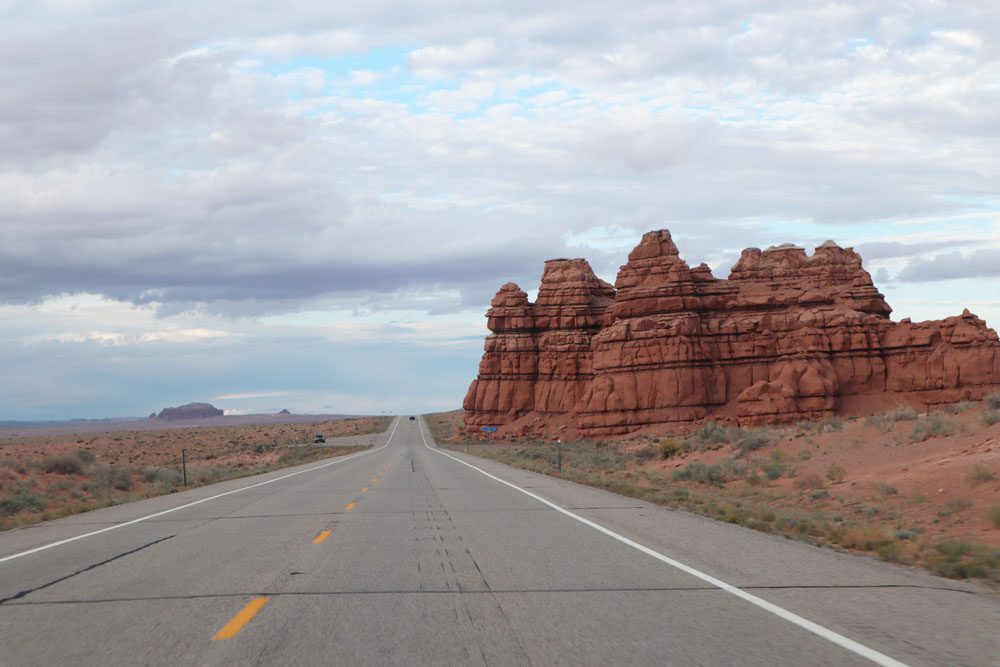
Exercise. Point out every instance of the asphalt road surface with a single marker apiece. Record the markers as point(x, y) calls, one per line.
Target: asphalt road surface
point(406, 554)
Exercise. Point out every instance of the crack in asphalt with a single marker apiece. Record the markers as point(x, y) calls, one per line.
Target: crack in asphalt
point(512, 591)
point(29, 591)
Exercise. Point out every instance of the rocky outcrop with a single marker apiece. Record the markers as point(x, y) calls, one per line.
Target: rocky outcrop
point(538, 357)
point(787, 336)
point(190, 411)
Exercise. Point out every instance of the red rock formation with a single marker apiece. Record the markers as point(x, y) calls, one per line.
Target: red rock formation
point(538, 357)
point(787, 336)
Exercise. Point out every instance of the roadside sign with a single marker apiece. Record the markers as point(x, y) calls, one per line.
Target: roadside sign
point(488, 429)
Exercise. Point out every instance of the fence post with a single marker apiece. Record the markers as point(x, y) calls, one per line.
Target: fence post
point(559, 444)
point(184, 466)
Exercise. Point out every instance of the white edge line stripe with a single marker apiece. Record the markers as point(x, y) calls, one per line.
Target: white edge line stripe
point(197, 502)
point(781, 612)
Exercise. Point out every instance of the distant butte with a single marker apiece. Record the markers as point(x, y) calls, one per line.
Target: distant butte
point(190, 411)
point(787, 336)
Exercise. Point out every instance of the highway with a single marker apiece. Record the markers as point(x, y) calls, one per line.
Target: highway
point(407, 554)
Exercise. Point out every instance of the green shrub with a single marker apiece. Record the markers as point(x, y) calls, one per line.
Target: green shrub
point(117, 477)
point(957, 505)
point(836, 473)
point(993, 401)
point(994, 514)
point(21, 501)
point(804, 455)
point(715, 474)
point(890, 551)
point(961, 560)
point(892, 416)
point(979, 474)
point(991, 417)
point(692, 472)
point(97, 488)
point(933, 426)
point(647, 453)
point(752, 440)
point(164, 476)
point(62, 464)
point(775, 466)
point(794, 523)
point(811, 482)
point(712, 435)
point(208, 474)
point(594, 459)
point(885, 489)
point(669, 447)
point(831, 425)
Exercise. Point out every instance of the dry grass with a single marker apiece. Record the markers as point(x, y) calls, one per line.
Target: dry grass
point(979, 475)
point(932, 426)
point(45, 478)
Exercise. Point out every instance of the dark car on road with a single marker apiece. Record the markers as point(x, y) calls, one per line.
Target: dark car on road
point(412, 417)
point(319, 438)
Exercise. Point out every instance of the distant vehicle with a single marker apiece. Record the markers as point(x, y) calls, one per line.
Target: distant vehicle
point(319, 438)
point(412, 417)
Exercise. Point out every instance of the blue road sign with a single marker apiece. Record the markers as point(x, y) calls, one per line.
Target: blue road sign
point(488, 429)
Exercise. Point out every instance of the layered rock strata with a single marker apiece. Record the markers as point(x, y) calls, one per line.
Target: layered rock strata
point(786, 336)
point(538, 357)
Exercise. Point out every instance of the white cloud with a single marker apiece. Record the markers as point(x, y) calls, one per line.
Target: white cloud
point(250, 394)
point(326, 43)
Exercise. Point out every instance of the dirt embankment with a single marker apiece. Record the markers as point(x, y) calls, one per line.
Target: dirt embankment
point(44, 477)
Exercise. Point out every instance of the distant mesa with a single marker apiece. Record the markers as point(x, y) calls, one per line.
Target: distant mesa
point(787, 336)
point(190, 411)
point(284, 412)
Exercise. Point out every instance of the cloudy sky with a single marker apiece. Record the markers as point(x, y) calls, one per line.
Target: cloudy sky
point(309, 205)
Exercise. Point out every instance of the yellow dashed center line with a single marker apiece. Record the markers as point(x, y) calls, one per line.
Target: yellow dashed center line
point(230, 629)
point(321, 537)
point(349, 506)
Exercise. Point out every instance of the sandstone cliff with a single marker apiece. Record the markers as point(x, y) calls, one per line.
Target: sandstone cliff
point(786, 336)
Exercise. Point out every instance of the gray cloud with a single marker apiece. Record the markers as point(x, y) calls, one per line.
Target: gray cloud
point(949, 266)
point(891, 249)
point(145, 156)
